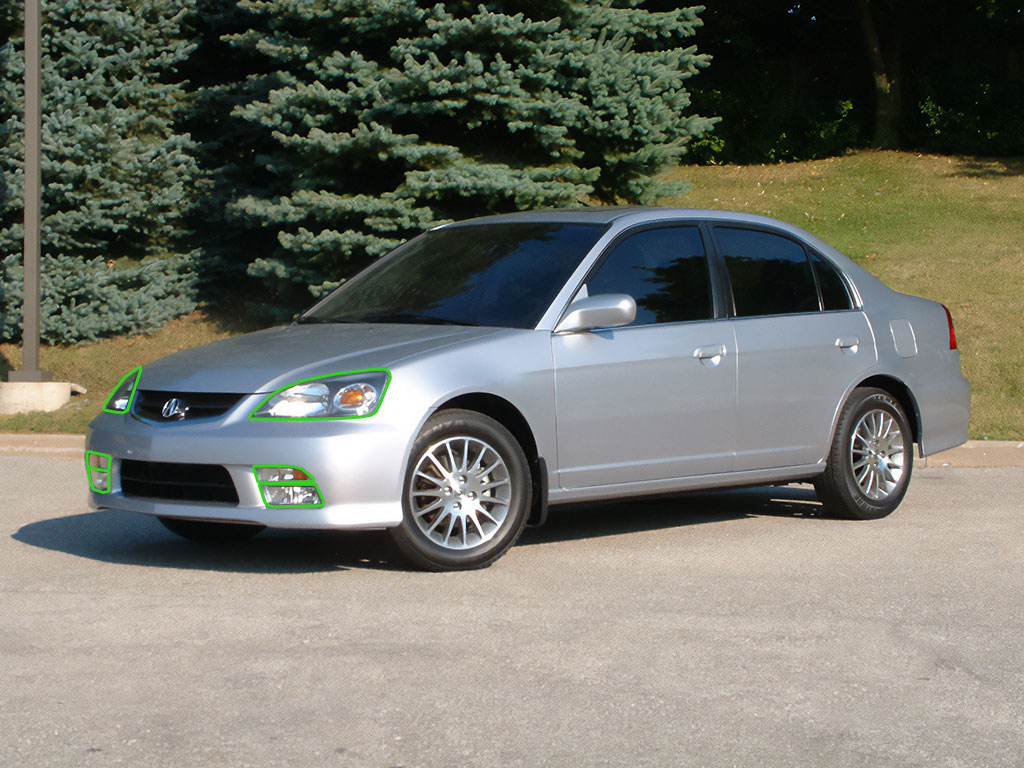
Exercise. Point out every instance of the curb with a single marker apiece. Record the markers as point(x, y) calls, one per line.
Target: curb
point(972, 454)
point(56, 446)
point(979, 453)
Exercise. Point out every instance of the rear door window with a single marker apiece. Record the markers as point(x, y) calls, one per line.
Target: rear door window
point(770, 274)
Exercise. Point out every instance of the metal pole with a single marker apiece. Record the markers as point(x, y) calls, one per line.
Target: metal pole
point(30, 370)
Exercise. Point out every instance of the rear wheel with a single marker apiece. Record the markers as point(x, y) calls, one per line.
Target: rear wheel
point(466, 495)
point(211, 532)
point(871, 459)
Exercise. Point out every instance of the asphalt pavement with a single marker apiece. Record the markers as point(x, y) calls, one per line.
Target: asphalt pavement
point(736, 628)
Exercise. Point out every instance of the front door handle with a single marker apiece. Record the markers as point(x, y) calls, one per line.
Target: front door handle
point(711, 355)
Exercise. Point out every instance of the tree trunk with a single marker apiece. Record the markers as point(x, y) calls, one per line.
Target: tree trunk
point(887, 83)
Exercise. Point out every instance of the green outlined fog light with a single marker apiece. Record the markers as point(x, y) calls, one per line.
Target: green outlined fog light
point(291, 496)
point(97, 466)
point(284, 486)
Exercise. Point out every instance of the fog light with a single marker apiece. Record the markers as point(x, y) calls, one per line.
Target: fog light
point(280, 474)
point(97, 467)
point(291, 496)
point(284, 486)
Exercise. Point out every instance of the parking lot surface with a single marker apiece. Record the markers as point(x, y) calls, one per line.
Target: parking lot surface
point(719, 629)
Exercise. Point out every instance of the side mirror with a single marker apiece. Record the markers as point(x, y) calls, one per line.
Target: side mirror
point(606, 310)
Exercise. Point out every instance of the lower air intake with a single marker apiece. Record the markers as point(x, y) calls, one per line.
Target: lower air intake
point(177, 482)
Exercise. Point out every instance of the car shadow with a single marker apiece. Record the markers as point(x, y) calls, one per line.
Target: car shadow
point(585, 521)
point(132, 539)
point(127, 538)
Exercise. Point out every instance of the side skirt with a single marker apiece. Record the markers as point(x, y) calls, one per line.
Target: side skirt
point(653, 487)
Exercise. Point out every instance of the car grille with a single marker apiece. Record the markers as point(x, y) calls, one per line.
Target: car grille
point(177, 482)
point(149, 404)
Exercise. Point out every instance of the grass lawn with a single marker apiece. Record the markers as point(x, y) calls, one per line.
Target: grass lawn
point(951, 229)
point(948, 228)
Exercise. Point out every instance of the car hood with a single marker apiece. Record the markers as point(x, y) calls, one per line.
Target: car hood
point(266, 360)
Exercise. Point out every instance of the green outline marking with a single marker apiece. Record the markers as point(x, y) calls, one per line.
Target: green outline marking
point(311, 483)
point(275, 393)
point(137, 373)
point(90, 469)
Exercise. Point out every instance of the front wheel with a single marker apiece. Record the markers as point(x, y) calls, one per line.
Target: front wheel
point(466, 495)
point(871, 458)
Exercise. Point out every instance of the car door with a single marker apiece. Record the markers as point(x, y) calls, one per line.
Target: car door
point(653, 400)
point(800, 344)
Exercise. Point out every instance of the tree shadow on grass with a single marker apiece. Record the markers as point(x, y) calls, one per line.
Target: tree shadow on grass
point(5, 367)
point(994, 168)
point(232, 314)
point(127, 538)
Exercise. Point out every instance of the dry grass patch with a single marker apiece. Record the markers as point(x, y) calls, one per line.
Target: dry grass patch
point(99, 365)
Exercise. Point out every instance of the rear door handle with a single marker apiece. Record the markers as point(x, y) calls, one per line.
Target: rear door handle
point(710, 355)
point(848, 343)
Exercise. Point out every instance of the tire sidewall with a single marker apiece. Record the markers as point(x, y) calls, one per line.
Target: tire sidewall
point(866, 508)
point(414, 544)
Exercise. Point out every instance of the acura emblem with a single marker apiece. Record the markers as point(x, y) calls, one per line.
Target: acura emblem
point(174, 409)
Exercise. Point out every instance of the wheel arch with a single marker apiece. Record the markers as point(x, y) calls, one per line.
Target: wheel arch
point(510, 417)
point(903, 396)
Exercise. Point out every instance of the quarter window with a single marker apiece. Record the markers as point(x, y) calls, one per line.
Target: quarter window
point(770, 274)
point(664, 269)
point(834, 293)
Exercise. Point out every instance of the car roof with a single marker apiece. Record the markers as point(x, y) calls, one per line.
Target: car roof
point(605, 215)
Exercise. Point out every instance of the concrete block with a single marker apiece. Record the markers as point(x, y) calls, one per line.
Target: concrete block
point(26, 396)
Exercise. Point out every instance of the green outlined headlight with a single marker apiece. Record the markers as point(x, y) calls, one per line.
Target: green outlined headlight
point(120, 400)
point(349, 395)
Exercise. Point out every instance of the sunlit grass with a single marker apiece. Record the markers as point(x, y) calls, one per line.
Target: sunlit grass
point(948, 228)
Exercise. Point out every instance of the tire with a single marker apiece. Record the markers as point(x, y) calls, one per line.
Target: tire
point(210, 532)
point(871, 459)
point(466, 494)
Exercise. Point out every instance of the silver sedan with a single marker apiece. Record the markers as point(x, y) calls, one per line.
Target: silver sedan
point(486, 369)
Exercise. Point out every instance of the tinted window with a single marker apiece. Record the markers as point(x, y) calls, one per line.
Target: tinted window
point(501, 275)
point(665, 270)
point(770, 274)
point(834, 294)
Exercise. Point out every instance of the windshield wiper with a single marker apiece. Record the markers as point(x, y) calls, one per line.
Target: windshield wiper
point(321, 320)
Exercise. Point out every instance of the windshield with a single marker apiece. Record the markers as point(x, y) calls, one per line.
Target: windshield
point(502, 275)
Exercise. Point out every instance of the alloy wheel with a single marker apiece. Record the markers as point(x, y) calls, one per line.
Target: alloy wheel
point(460, 492)
point(877, 454)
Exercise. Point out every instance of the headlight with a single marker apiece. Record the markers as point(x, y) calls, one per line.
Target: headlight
point(335, 396)
point(120, 400)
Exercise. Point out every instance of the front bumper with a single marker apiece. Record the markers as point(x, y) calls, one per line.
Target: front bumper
point(358, 466)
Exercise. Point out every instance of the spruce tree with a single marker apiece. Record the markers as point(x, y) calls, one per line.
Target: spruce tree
point(118, 176)
point(232, 153)
point(379, 118)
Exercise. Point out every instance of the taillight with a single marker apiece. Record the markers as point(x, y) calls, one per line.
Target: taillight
point(952, 330)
